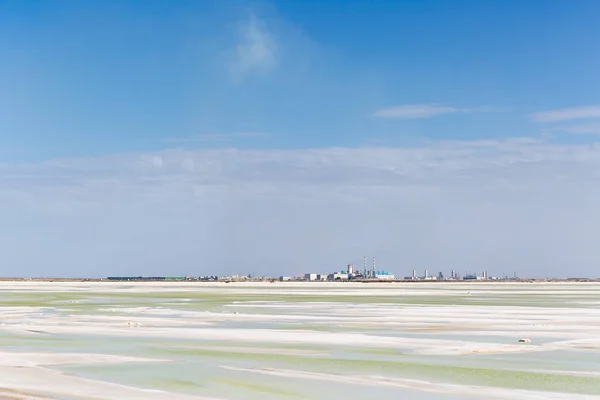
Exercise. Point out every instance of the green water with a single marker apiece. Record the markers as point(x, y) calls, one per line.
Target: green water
point(195, 365)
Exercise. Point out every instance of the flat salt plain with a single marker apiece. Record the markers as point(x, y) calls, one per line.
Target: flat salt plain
point(251, 341)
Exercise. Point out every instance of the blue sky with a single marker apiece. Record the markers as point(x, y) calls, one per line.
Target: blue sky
point(134, 118)
point(84, 78)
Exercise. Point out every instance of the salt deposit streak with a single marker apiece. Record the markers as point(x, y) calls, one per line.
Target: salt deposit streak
point(424, 386)
point(22, 372)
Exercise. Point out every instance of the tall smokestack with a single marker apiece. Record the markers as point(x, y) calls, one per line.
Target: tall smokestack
point(365, 269)
point(373, 267)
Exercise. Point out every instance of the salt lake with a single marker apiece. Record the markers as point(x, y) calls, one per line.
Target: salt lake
point(180, 340)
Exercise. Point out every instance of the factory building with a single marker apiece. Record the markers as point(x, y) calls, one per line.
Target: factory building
point(338, 276)
point(384, 275)
point(311, 277)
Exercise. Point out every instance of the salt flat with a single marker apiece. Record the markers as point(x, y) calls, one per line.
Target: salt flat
point(306, 341)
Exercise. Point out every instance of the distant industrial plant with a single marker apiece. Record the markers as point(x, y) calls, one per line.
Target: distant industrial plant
point(350, 273)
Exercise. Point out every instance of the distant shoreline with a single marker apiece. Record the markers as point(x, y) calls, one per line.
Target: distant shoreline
point(300, 282)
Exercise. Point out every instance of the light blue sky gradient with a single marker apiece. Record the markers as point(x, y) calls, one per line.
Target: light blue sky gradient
point(87, 78)
point(146, 137)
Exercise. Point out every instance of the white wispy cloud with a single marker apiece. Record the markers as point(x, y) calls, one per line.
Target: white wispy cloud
point(517, 204)
point(215, 137)
point(583, 129)
point(566, 114)
point(256, 49)
point(414, 111)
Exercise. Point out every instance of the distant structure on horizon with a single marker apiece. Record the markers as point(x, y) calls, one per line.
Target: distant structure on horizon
point(350, 273)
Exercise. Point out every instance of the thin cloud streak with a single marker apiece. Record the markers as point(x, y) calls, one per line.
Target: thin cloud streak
point(415, 111)
point(566, 114)
point(584, 129)
point(215, 137)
